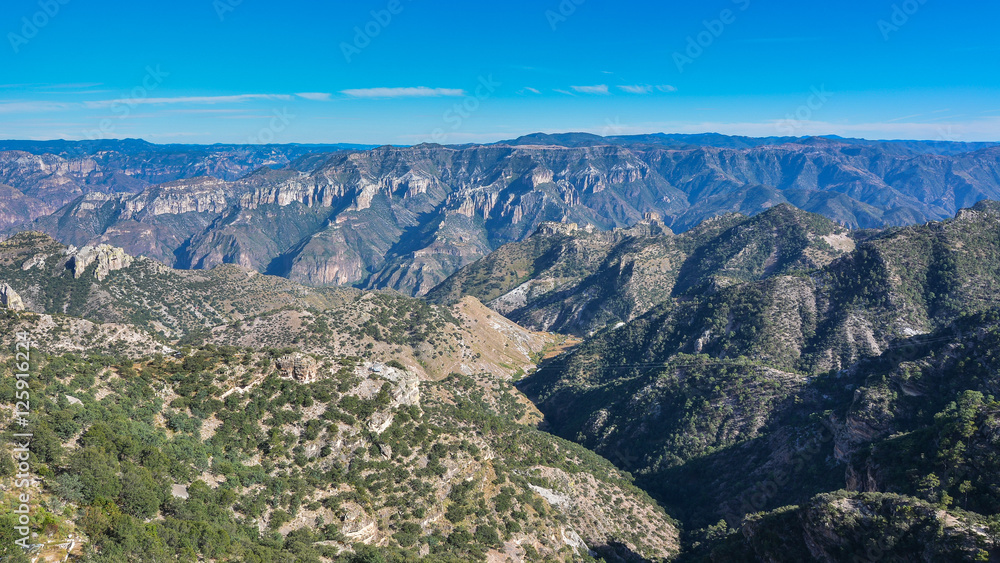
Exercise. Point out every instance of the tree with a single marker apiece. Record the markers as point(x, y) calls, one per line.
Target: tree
point(366, 554)
point(9, 551)
point(98, 471)
point(140, 494)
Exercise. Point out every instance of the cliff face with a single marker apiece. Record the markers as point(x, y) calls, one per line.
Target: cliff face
point(17, 208)
point(407, 218)
point(10, 299)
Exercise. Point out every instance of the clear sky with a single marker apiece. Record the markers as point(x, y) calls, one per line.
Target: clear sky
point(408, 71)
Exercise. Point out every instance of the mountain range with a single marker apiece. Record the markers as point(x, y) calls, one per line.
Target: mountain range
point(406, 218)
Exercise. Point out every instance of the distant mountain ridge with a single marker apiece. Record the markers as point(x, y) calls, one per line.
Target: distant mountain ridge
point(681, 140)
point(139, 146)
point(50, 174)
point(408, 217)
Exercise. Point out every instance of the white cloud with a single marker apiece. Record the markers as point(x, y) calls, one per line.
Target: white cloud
point(637, 89)
point(646, 88)
point(598, 89)
point(49, 107)
point(532, 90)
point(189, 100)
point(418, 92)
point(315, 96)
point(33, 107)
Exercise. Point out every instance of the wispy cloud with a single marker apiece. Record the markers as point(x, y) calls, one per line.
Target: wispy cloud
point(943, 118)
point(189, 100)
point(598, 89)
point(418, 92)
point(73, 86)
point(33, 107)
point(38, 85)
point(905, 117)
point(530, 89)
point(315, 96)
point(561, 91)
point(646, 88)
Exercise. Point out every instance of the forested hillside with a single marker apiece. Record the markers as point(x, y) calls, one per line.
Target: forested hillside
point(876, 373)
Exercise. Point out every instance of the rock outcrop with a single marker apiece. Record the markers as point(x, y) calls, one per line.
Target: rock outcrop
point(10, 299)
point(107, 257)
point(300, 367)
point(36, 260)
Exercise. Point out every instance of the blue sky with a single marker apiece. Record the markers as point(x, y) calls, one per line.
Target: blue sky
point(204, 71)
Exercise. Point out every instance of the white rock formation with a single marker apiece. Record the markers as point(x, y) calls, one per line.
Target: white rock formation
point(10, 299)
point(107, 257)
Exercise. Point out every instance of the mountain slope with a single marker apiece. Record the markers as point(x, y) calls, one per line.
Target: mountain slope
point(233, 305)
point(233, 454)
point(875, 373)
point(577, 281)
point(231, 416)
